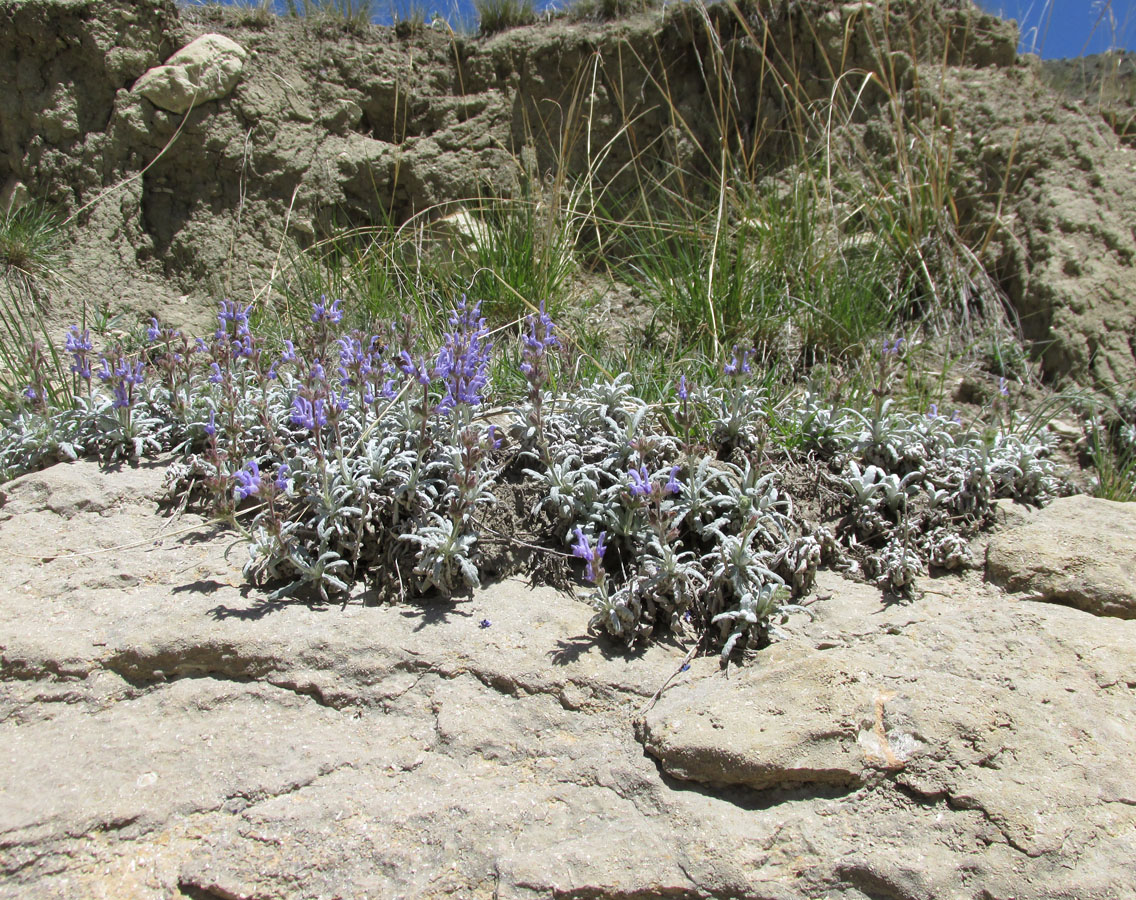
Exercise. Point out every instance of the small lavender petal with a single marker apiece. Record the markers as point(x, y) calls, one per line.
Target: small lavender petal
point(248, 481)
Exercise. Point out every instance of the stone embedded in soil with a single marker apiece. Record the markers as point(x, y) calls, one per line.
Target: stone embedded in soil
point(1079, 551)
point(205, 69)
point(167, 732)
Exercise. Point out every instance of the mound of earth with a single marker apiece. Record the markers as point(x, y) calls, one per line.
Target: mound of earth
point(328, 127)
point(170, 732)
point(1104, 82)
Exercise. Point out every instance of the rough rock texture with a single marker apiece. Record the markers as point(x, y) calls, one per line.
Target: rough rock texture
point(330, 128)
point(167, 732)
point(203, 70)
point(1079, 551)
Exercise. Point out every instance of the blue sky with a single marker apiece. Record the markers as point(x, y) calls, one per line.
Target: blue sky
point(1053, 28)
point(1060, 28)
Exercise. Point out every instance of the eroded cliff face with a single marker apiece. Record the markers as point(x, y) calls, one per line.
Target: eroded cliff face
point(329, 128)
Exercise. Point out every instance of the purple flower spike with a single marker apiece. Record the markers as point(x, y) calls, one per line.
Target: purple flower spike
point(281, 481)
point(892, 348)
point(79, 345)
point(640, 482)
point(417, 370)
point(463, 361)
point(289, 354)
point(683, 391)
point(738, 365)
point(248, 481)
point(321, 312)
point(154, 331)
point(233, 320)
point(593, 556)
point(933, 411)
point(307, 414)
point(673, 485)
point(211, 425)
point(76, 342)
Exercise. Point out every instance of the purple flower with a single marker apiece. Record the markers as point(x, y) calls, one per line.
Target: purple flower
point(593, 556)
point(341, 402)
point(321, 312)
point(76, 342)
point(539, 337)
point(463, 361)
point(892, 348)
point(307, 414)
point(122, 377)
point(248, 481)
point(738, 365)
point(933, 411)
point(1002, 388)
point(242, 348)
point(317, 375)
point(673, 485)
point(289, 354)
point(121, 396)
point(30, 393)
point(233, 320)
point(132, 373)
point(215, 376)
point(640, 482)
point(281, 481)
point(416, 370)
point(79, 345)
point(154, 331)
point(484, 623)
point(211, 425)
point(683, 392)
point(494, 441)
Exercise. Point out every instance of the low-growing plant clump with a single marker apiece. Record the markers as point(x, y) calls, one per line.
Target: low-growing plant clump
point(353, 459)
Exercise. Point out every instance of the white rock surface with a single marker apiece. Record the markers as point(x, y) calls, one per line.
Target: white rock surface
point(1079, 551)
point(167, 732)
point(205, 69)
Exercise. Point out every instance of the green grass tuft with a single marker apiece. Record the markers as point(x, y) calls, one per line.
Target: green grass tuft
point(499, 15)
point(30, 241)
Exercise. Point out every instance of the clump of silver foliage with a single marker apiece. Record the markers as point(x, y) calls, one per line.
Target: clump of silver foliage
point(351, 459)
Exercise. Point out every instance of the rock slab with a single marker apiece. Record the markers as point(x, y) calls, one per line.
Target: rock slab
point(1079, 551)
point(166, 731)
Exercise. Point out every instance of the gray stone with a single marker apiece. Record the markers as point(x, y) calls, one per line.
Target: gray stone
point(341, 116)
point(205, 69)
point(1079, 551)
point(167, 732)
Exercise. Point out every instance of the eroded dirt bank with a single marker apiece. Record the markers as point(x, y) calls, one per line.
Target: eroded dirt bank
point(327, 129)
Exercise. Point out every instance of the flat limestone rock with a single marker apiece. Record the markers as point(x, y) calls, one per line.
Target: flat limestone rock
point(205, 69)
point(1079, 551)
point(168, 731)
